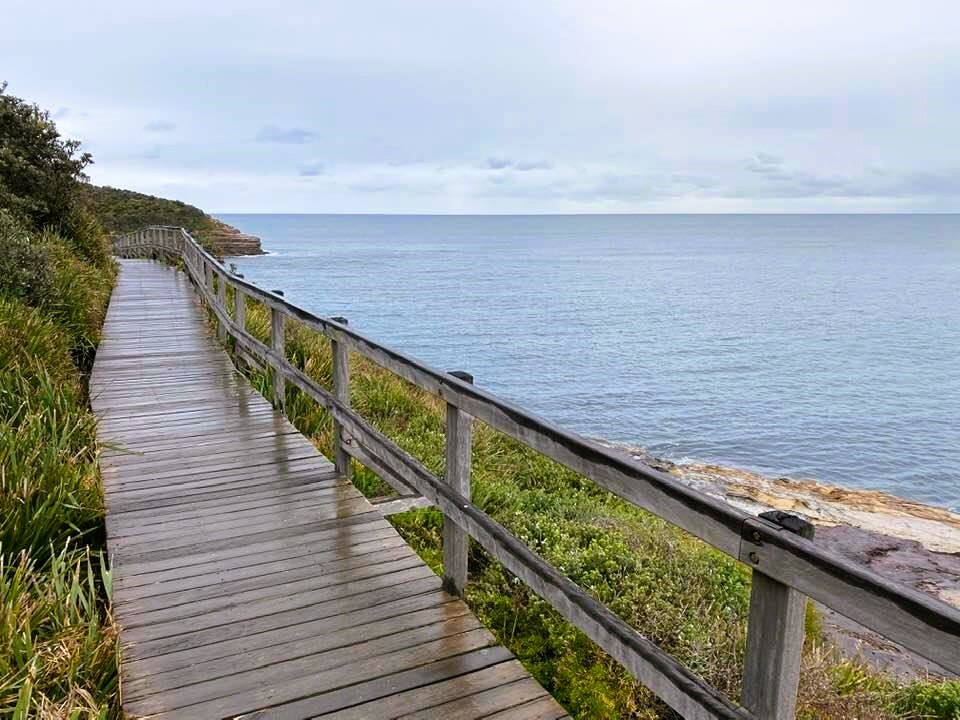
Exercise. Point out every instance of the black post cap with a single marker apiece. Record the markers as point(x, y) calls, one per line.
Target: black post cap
point(794, 524)
point(462, 375)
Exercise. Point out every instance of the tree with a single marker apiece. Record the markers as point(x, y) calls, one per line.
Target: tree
point(39, 170)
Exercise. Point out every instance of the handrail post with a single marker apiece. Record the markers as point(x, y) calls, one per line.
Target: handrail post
point(341, 390)
point(222, 300)
point(278, 344)
point(775, 634)
point(459, 444)
point(240, 308)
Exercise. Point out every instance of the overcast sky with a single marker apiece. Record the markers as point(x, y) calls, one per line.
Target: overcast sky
point(504, 106)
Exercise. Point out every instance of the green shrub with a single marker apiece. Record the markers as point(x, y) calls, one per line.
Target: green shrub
point(44, 272)
point(936, 700)
point(39, 170)
point(25, 267)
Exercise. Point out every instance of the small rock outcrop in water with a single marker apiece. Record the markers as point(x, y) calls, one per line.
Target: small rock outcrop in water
point(227, 241)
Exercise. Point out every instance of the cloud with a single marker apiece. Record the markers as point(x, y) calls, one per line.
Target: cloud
point(779, 179)
point(312, 169)
point(502, 163)
point(286, 136)
point(160, 126)
point(506, 100)
point(532, 165)
point(61, 113)
point(765, 164)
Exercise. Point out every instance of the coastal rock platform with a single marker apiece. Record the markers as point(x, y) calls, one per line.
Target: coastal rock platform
point(904, 540)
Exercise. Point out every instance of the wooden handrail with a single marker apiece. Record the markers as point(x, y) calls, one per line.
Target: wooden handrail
point(791, 566)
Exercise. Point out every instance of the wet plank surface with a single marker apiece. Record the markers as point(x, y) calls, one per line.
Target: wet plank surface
point(249, 580)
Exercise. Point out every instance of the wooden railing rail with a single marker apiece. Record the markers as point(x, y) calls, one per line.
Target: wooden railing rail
point(787, 565)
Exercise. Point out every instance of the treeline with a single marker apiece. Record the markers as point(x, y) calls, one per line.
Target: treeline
point(121, 211)
point(57, 639)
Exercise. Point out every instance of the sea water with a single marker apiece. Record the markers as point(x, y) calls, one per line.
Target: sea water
point(816, 346)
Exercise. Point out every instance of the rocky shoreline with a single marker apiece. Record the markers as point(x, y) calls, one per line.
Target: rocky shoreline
point(907, 541)
point(228, 241)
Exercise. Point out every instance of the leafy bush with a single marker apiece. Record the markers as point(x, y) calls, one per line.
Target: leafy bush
point(25, 267)
point(39, 170)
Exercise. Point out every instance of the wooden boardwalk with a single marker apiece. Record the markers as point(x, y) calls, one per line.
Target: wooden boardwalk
point(249, 580)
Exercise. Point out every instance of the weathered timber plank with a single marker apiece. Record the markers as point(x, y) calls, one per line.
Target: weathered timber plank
point(125, 549)
point(442, 668)
point(371, 594)
point(543, 709)
point(321, 559)
point(187, 555)
point(201, 573)
point(147, 626)
point(327, 649)
point(289, 680)
point(482, 704)
point(160, 500)
point(428, 696)
point(297, 625)
point(163, 605)
point(270, 497)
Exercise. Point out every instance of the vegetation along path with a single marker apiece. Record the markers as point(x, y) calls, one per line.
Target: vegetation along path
point(248, 576)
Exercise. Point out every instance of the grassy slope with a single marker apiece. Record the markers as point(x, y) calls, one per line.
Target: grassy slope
point(58, 655)
point(682, 594)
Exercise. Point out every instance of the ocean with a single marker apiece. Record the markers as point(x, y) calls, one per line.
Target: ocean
point(803, 346)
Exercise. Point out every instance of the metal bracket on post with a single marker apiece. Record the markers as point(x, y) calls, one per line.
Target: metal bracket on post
point(775, 633)
point(341, 390)
point(459, 445)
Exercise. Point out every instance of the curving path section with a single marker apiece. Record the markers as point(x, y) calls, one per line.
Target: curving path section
point(249, 580)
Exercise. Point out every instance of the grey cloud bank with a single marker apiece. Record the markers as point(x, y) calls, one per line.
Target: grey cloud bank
point(554, 106)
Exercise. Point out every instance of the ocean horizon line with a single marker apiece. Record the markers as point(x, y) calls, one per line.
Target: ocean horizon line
point(217, 213)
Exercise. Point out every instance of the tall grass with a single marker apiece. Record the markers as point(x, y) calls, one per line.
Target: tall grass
point(59, 658)
point(686, 597)
point(57, 639)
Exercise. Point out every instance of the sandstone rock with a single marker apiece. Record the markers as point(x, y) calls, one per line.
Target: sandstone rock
point(229, 241)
